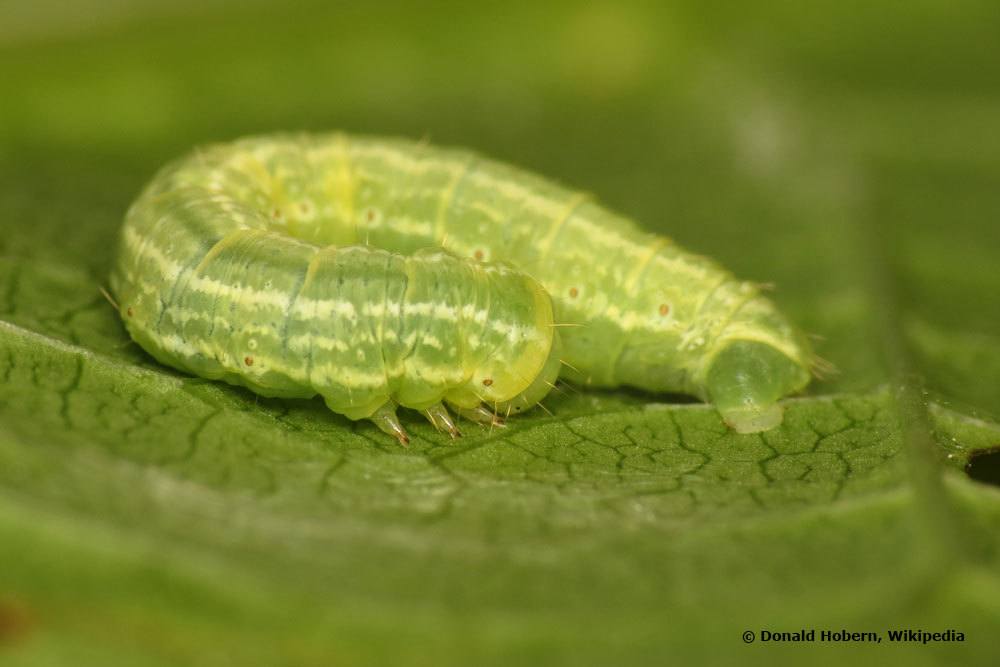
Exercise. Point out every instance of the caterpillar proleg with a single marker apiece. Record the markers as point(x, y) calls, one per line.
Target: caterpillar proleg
point(381, 273)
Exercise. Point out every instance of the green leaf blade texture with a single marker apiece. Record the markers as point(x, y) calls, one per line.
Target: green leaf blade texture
point(150, 518)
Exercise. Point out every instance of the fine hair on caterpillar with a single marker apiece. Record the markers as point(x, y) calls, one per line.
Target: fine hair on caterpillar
point(381, 273)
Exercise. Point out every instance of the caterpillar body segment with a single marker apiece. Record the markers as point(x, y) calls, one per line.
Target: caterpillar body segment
point(206, 285)
point(632, 308)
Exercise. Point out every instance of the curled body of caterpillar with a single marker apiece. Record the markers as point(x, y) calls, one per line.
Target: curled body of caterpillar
point(651, 314)
point(206, 285)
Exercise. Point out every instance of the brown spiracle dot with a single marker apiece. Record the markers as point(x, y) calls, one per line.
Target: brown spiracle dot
point(478, 254)
point(370, 215)
point(248, 361)
point(488, 381)
point(573, 292)
point(128, 311)
point(664, 309)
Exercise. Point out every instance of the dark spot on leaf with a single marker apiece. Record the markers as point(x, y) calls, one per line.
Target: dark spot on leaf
point(488, 381)
point(248, 361)
point(15, 621)
point(984, 466)
point(128, 311)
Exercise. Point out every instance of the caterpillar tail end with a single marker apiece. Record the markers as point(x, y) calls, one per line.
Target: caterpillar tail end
point(387, 421)
point(747, 379)
point(753, 420)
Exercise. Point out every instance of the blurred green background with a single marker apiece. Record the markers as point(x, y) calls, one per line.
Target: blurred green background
point(848, 152)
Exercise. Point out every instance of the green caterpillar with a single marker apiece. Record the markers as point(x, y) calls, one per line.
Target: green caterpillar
point(381, 273)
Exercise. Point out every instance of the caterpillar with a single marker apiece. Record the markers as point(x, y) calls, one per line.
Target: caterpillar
point(381, 273)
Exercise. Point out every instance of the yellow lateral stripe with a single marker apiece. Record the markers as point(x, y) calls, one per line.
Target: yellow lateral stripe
point(446, 197)
point(640, 266)
point(347, 187)
point(571, 205)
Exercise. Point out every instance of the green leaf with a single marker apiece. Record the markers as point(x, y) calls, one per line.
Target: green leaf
point(147, 517)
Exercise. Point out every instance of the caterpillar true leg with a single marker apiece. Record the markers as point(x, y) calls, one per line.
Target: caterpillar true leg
point(387, 421)
point(480, 415)
point(438, 415)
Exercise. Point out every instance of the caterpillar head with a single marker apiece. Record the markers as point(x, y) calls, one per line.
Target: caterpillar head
point(525, 360)
point(512, 385)
point(540, 387)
